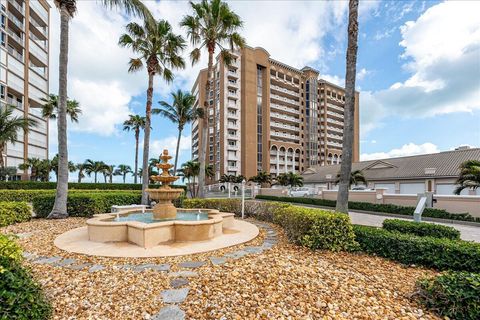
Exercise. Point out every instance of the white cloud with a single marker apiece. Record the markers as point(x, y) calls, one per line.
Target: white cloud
point(170, 143)
point(442, 49)
point(409, 149)
point(362, 73)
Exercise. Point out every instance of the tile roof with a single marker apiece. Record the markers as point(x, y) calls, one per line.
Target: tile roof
point(446, 164)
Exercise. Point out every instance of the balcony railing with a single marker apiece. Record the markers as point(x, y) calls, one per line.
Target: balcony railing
point(284, 126)
point(20, 40)
point(15, 20)
point(15, 53)
point(274, 96)
point(334, 114)
point(284, 108)
point(334, 121)
point(42, 29)
point(40, 10)
point(17, 6)
point(284, 135)
point(284, 90)
point(14, 103)
point(283, 116)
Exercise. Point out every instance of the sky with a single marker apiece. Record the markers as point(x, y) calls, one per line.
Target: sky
point(418, 72)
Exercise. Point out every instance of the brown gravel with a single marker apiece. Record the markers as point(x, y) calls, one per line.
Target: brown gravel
point(286, 282)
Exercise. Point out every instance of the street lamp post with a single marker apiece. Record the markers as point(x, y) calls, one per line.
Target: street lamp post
point(243, 198)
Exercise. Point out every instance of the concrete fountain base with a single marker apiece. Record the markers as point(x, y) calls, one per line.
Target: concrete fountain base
point(77, 241)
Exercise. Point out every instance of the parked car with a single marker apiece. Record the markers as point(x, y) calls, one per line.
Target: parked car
point(299, 192)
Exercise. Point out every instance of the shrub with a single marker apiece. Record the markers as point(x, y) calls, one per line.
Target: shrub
point(13, 212)
point(29, 195)
point(9, 248)
point(20, 297)
point(312, 228)
point(37, 185)
point(454, 295)
point(421, 229)
point(442, 254)
point(85, 204)
point(386, 208)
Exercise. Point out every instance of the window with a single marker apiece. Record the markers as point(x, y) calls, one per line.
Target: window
point(3, 41)
point(2, 92)
point(3, 21)
point(259, 117)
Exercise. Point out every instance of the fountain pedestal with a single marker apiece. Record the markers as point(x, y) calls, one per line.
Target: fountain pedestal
point(164, 209)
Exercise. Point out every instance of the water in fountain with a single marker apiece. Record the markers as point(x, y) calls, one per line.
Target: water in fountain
point(148, 217)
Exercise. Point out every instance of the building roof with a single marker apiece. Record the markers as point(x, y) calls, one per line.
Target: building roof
point(443, 164)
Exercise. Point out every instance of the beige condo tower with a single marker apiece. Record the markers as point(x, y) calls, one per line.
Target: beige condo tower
point(24, 53)
point(264, 115)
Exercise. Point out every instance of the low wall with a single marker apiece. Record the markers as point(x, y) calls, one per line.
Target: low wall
point(273, 192)
point(450, 203)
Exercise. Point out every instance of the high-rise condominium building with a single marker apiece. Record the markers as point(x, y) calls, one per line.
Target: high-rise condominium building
point(264, 115)
point(24, 52)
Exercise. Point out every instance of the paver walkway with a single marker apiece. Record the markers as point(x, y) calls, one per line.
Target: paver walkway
point(469, 233)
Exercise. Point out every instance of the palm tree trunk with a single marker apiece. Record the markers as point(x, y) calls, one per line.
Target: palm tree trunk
point(205, 146)
point(111, 178)
point(95, 177)
point(176, 152)
point(146, 138)
point(60, 206)
point(2, 149)
point(124, 176)
point(347, 149)
point(137, 136)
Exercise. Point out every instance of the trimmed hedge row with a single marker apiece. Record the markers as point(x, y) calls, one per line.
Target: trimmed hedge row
point(421, 229)
point(84, 204)
point(29, 195)
point(20, 297)
point(441, 254)
point(13, 212)
point(312, 228)
point(386, 208)
point(454, 295)
point(37, 185)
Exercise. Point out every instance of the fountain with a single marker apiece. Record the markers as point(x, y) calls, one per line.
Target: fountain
point(159, 230)
point(164, 209)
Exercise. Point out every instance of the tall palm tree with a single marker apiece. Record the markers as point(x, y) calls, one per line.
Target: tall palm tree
point(135, 123)
point(80, 167)
point(108, 172)
point(10, 125)
point(469, 176)
point(190, 170)
point(355, 178)
point(159, 49)
point(94, 167)
point(123, 170)
point(50, 108)
point(290, 179)
point(212, 25)
point(68, 8)
point(180, 112)
point(54, 166)
point(348, 135)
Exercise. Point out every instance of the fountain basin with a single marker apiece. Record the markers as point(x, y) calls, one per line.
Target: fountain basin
point(105, 228)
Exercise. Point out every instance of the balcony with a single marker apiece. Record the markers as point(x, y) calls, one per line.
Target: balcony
point(334, 129)
point(17, 6)
point(284, 90)
point(284, 135)
point(20, 41)
point(284, 117)
point(232, 136)
point(334, 136)
point(39, 10)
point(15, 20)
point(284, 126)
point(232, 147)
point(335, 122)
point(232, 84)
point(284, 108)
point(231, 125)
point(291, 101)
point(335, 144)
point(232, 168)
point(39, 53)
point(15, 103)
point(232, 95)
point(332, 106)
point(231, 115)
point(334, 114)
point(43, 30)
point(232, 73)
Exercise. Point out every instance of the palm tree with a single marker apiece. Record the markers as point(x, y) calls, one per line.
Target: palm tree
point(68, 9)
point(282, 179)
point(9, 127)
point(263, 178)
point(80, 167)
point(139, 174)
point(180, 112)
point(212, 25)
point(135, 123)
point(290, 179)
point(94, 167)
point(190, 170)
point(7, 172)
point(355, 178)
point(50, 108)
point(54, 166)
point(32, 164)
point(108, 172)
point(348, 135)
point(123, 170)
point(159, 49)
point(469, 176)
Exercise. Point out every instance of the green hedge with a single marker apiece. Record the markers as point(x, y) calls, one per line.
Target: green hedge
point(386, 208)
point(421, 229)
point(29, 195)
point(20, 297)
point(442, 254)
point(312, 228)
point(454, 295)
point(13, 212)
point(36, 185)
point(84, 204)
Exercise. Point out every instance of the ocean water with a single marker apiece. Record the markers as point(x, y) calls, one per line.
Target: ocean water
point(148, 217)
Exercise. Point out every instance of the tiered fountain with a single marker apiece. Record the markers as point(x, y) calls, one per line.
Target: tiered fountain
point(164, 209)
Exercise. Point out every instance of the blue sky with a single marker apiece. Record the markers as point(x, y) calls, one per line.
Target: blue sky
point(418, 72)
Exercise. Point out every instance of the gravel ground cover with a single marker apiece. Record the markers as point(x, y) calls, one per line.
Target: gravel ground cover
point(266, 278)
